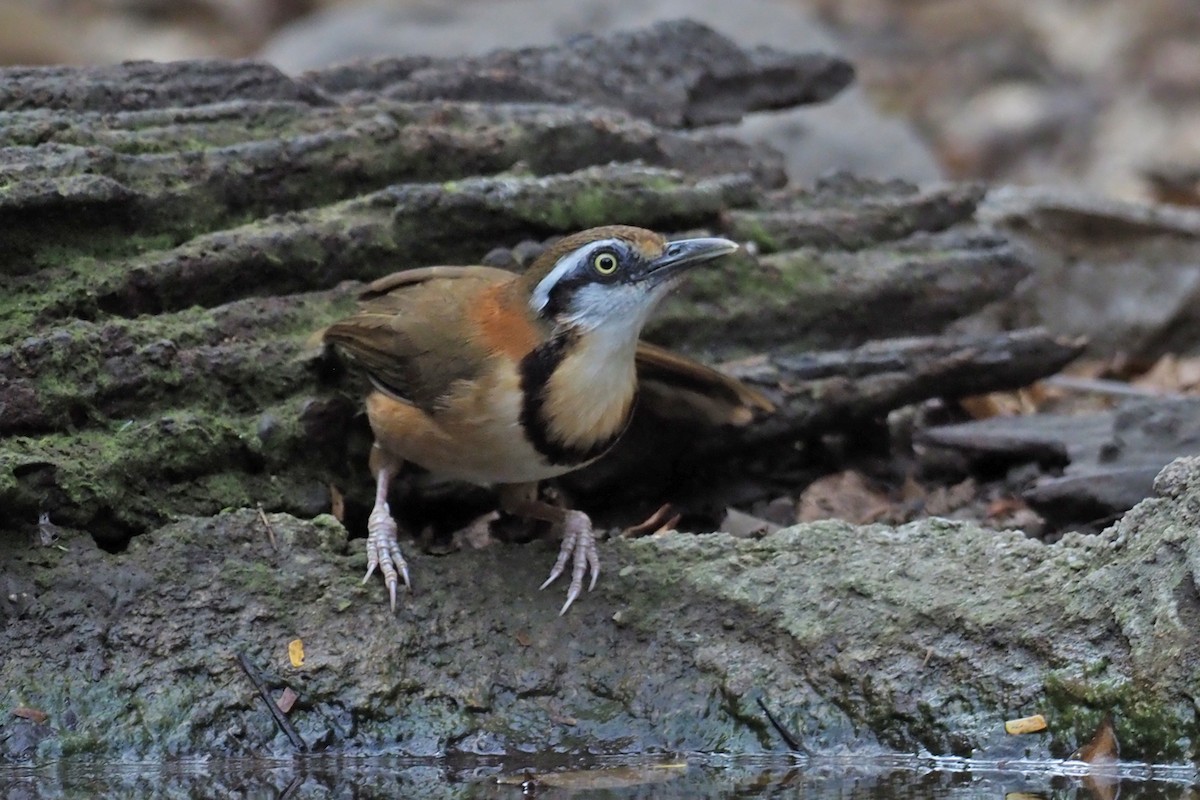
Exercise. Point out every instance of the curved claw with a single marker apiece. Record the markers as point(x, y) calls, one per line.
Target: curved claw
point(579, 545)
point(383, 551)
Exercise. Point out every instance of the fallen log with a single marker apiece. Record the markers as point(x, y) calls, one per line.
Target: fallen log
point(1103, 463)
point(173, 234)
point(816, 394)
point(170, 236)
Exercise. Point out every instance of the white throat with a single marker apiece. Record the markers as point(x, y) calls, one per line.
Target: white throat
point(614, 311)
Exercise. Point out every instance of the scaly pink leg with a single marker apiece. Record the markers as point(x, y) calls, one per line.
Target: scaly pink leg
point(579, 538)
point(579, 545)
point(383, 550)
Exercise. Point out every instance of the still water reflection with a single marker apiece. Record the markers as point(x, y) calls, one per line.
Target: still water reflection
point(691, 776)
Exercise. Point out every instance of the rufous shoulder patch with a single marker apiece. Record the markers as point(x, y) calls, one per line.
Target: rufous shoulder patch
point(502, 324)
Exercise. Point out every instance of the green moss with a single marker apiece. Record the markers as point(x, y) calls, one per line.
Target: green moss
point(1147, 728)
point(600, 196)
point(256, 577)
point(137, 474)
point(83, 711)
point(739, 282)
point(747, 226)
point(232, 488)
point(591, 207)
point(80, 251)
point(71, 269)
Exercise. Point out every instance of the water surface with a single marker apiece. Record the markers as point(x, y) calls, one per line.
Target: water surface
point(665, 778)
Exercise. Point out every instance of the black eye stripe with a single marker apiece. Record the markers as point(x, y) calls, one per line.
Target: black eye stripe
point(585, 273)
point(560, 295)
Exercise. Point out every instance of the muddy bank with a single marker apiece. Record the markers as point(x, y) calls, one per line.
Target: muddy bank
point(924, 636)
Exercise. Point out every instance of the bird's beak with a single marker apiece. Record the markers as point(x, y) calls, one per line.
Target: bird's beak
point(684, 253)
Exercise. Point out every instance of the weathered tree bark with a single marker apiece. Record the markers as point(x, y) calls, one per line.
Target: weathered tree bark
point(1107, 461)
point(816, 393)
point(1125, 275)
point(172, 234)
point(170, 237)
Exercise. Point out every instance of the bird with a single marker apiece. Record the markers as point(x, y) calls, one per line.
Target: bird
point(506, 379)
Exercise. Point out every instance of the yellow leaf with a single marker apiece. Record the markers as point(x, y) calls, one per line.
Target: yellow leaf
point(1026, 725)
point(296, 652)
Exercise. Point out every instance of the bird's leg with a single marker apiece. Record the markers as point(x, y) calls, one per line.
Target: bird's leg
point(579, 539)
point(383, 550)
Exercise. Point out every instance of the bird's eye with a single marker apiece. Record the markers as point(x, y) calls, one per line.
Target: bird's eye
point(605, 263)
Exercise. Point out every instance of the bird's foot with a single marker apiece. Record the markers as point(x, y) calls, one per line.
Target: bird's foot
point(383, 551)
point(579, 545)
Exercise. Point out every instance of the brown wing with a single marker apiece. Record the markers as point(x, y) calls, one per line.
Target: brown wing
point(412, 277)
point(672, 385)
point(407, 332)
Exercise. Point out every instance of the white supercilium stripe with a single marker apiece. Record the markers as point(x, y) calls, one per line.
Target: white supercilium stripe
point(565, 266)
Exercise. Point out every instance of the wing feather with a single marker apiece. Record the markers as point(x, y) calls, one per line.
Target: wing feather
point(408, 336)
point(406, 333)
point(673, 385)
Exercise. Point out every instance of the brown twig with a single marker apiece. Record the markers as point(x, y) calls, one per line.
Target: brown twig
point(270, 528)
point(280, 718)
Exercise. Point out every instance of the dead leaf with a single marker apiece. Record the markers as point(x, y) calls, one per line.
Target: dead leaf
point(31, 714)
point(912, 491)
point(1171, 374)
point(287, 699)
point(1102, 787)
point(1033, 724)
point(1101, 751)
point(1026, 400)
point(1005, 506)
point(986, 406)
point(1178, 186)
point(477, 534)
point(296, 652)
point(946, 499)
point(742, 368)
point(1090, 368)
point(1103, 748)
point(745, 526)
point(843, 495)
point(337, 503)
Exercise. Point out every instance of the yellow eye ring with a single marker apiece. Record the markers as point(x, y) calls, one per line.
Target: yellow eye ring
point(605, 263)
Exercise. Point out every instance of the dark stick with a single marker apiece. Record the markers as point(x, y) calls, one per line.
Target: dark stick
point(280, 718)
point(289, 790)
point(793, 741)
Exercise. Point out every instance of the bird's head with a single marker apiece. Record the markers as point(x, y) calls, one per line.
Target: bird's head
point(612, 276)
